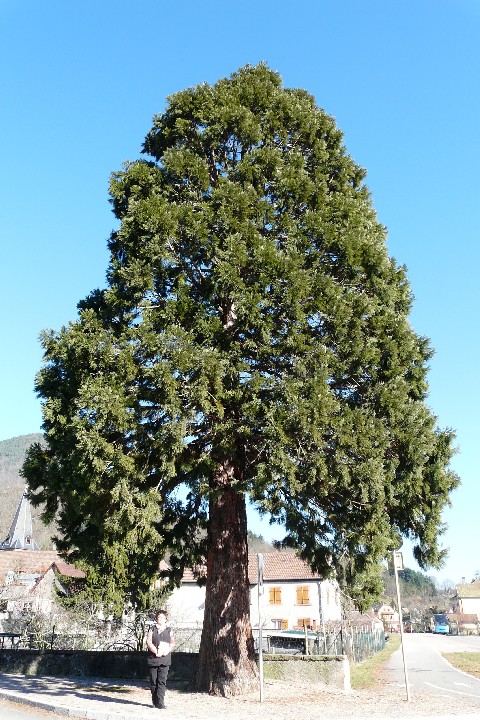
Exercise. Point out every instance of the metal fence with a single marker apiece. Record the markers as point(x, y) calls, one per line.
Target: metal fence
point(357, 643)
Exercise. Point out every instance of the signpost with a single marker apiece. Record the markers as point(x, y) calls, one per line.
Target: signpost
point(260, 623)
point(398, 565)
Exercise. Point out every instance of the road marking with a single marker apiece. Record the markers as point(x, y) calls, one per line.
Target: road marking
point(457, 692)
point(464, 684)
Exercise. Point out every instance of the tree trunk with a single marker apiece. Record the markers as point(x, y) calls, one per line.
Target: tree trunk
point(227, 658)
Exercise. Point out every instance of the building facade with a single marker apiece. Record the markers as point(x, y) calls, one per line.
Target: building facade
point(291, 597)
point(467, 599)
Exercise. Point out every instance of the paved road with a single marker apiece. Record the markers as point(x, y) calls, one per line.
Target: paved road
point(429, 671)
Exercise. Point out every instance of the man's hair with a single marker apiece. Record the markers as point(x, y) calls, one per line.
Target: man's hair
point(161, 612)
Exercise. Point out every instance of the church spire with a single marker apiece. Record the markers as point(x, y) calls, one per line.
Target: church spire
point(20, 536)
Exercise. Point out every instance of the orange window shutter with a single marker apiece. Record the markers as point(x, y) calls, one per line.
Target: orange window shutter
point(302, 595)
point(275, 596)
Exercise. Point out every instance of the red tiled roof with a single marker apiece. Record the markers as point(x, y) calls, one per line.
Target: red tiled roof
point(34, 561)
point(278, 565)
point(285, 565)
point(68, 570)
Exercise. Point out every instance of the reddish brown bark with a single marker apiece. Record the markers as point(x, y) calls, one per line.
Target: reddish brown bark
point(227, 659)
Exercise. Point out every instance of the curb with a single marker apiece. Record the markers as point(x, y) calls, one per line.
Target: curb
point(67, 710)
point(40, 704)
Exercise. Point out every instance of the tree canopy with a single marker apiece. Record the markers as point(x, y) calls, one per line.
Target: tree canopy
point(253, 341)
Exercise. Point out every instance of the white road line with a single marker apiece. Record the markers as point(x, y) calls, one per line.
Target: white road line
point(457, 692)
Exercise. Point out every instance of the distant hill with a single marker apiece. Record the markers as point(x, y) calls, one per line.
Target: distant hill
point(14, 449)
point(12, 455)
point(257, 544)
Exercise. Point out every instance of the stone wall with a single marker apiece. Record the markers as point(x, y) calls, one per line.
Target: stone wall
point(328, 670)
point(108, 664)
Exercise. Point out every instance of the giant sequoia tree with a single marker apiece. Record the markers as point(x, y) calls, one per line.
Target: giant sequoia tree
point(252, 344)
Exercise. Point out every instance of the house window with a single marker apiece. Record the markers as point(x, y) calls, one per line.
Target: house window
point(279, 624)
point(302, 595)
point(275, 596)
point(304, 623)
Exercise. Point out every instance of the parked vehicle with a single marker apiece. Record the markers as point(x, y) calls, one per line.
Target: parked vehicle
point(441, 625)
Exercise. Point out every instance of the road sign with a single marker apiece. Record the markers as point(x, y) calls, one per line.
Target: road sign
point(398, 560)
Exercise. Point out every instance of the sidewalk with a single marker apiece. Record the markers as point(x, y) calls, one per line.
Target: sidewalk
point(102, 699)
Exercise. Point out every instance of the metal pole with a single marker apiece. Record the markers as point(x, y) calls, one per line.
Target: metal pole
point(320, 607)
point(396, 558)
point(260, 623)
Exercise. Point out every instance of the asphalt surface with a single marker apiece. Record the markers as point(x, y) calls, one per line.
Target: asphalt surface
point(429, 671)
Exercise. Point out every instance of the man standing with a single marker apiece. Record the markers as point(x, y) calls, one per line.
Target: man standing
point(160, 642)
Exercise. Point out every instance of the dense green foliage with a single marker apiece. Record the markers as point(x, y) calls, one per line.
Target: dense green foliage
point(416, 583)
point(418, 591)
point(253, 322)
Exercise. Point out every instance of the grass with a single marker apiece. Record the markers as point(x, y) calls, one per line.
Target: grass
point(367, 674)
point(469, 662)
point(104, 686)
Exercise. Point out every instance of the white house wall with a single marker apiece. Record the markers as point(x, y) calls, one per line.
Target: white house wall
point(187, 603)
point(331, 605)
point(323, 605)
point(470, 606)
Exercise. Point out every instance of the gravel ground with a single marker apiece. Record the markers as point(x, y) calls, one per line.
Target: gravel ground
point(283, 701)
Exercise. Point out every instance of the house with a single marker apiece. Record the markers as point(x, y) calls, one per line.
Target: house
point(292, 596)
point(390, 618)
point(29, 577)
point(467, 599)
point(368, 621)
point(464, 624)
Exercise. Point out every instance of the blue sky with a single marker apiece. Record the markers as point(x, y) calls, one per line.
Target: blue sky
point(81, 82)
